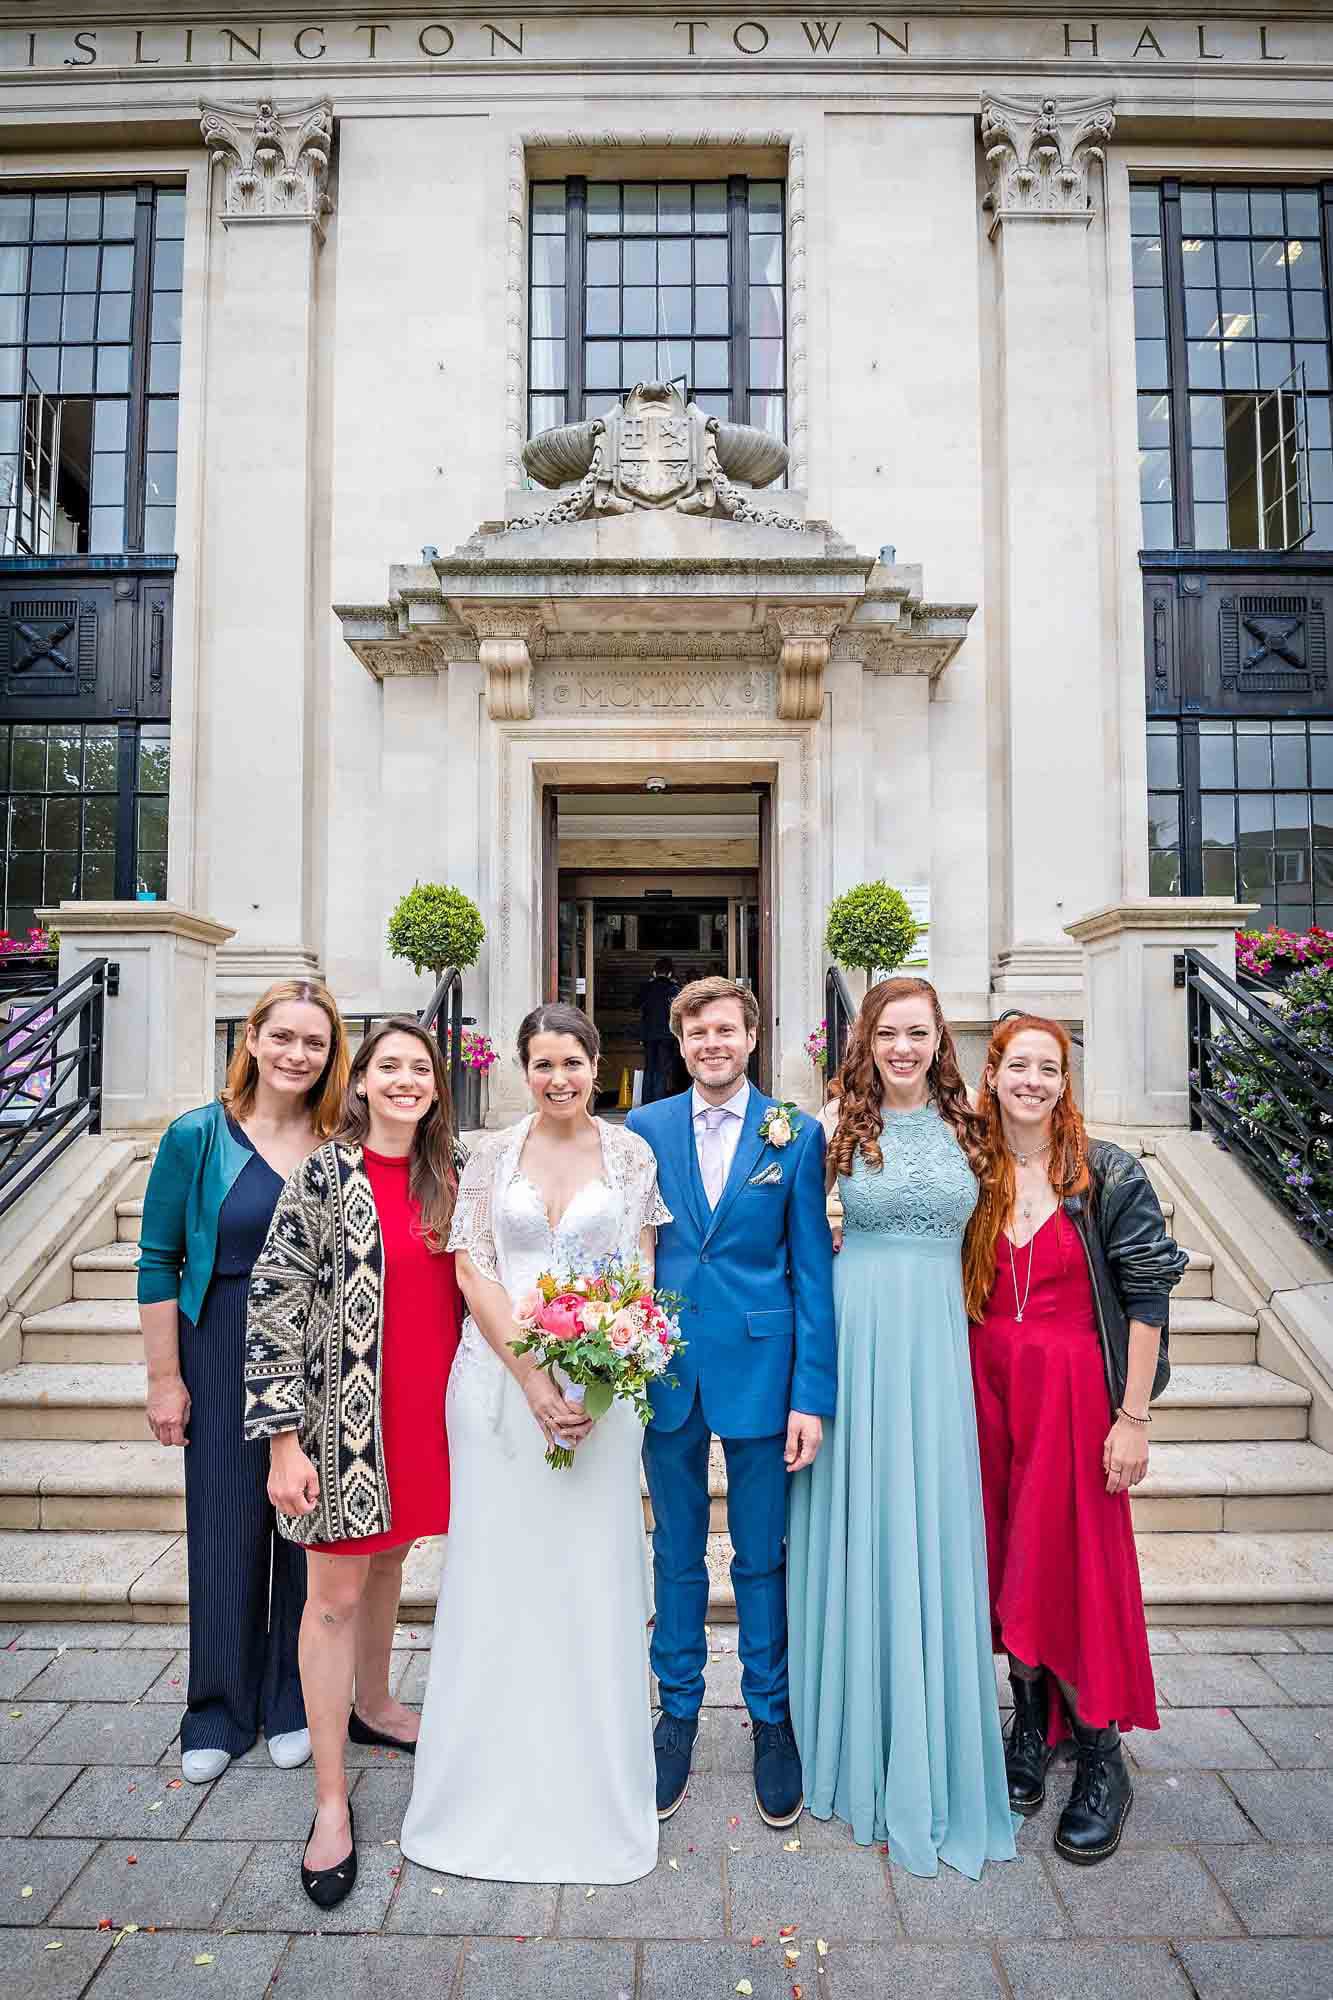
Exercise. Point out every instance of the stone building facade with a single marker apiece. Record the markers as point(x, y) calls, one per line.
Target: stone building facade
point(1032, 619)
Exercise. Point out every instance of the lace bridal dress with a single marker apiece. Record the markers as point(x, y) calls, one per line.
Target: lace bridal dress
point(535, 1761)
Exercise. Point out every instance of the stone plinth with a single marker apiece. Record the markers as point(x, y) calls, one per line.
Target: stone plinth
point(158, 1058)
point(1136, 1057)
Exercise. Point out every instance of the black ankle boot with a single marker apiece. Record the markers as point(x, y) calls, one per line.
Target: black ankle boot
point(1026, 1751)
point(1093, 1821)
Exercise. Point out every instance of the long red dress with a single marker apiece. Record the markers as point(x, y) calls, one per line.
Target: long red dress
point(422, 1317)
point(1064, 1572)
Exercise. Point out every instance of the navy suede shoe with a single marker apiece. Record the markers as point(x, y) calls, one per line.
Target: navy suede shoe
point(777, 1773)
point(673, 1746)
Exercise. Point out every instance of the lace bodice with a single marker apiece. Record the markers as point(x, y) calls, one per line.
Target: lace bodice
point(926, 1187)
point(526, 1245)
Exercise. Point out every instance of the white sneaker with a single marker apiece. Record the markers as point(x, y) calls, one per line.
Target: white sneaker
point(199, 1767)
point(290, 1748)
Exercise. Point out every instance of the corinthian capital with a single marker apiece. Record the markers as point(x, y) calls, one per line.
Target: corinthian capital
point(275, 160)
point(1038, 154)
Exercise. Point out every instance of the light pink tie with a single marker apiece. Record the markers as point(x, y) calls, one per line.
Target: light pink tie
point(712, 1159)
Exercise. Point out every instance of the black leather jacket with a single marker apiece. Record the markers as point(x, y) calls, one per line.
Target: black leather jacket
point(1133, 1263)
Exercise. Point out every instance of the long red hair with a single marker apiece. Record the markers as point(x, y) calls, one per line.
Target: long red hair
point(1066, 1163)
point(860, 1094)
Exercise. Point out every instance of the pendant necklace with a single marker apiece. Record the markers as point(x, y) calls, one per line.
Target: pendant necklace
point(1020, 1304)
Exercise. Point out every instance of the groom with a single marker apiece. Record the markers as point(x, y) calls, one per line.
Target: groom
point(750, 1252)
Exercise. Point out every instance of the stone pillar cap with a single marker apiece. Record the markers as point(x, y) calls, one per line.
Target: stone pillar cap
point(1162, 913)
point(135, 918)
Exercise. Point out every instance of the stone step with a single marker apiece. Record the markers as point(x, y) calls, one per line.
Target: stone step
point(1203, 1403)
point(1203, 1330)
point(85, 1487)
point(1197, 1282)
point(1261, 1579)
point(97, 1402)
point(90, 1578)
point(1237, 1487)
point(108, 1273)
point(84, 1333)
point(129, 1214)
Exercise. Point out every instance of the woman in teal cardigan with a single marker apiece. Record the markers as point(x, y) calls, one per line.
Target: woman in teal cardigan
point(211, 1195)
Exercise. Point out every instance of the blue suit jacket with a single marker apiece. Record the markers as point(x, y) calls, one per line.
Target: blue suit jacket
point(756, 1273)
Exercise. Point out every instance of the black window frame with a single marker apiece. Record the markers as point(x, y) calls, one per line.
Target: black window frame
point(739, 391)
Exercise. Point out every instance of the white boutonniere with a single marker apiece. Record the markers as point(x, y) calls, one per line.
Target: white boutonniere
point(779, 1125)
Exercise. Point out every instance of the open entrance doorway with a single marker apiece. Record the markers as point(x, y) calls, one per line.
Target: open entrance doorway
point(636, 876)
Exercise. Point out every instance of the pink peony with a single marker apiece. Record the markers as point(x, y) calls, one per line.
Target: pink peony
point(562, 1316)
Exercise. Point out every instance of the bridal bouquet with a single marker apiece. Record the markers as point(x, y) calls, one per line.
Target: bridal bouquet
point(609, 1334)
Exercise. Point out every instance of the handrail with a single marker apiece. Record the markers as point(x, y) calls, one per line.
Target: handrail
point(839, 1017)
point(450, 989)
point(51, 1076)
point(1261, 1091)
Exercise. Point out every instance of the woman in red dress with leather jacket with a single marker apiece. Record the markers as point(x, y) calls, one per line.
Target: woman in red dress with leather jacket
point(1068, 1271)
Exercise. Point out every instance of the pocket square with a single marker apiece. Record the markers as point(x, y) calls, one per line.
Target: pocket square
point(770, 1177)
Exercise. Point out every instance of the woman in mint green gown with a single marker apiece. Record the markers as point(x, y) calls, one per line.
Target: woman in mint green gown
point(893, 1689)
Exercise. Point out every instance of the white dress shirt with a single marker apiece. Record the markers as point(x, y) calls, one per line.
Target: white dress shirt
point(730, 1129)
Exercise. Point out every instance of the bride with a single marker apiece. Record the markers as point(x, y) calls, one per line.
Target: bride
point(535, 1758)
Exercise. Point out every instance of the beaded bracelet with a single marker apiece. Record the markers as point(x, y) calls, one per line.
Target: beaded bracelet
point(1142, 1422)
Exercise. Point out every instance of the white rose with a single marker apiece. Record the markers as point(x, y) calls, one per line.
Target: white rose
point(779, 1132)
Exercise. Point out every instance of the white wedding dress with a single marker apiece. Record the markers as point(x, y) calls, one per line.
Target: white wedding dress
point(535, 1760)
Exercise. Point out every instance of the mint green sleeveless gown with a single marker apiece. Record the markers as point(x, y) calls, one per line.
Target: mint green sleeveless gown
point(892, 1678)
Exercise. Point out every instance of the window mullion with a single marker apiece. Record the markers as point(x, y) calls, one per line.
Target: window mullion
point(1191, 853)
point(738, 232)
point(1182, 480)
point(140, 330)
point(127, 760)
point(576, 276)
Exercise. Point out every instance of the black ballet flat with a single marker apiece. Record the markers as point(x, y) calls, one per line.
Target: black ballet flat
point(326, 1887)
point(361, 1732)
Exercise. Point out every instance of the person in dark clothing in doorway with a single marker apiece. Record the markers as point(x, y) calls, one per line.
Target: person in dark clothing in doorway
point(655, 998)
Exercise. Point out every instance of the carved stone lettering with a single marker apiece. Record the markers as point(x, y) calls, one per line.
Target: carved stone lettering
point(664, 691)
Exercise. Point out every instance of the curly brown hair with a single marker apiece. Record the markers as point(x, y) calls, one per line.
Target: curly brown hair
point(1066, 1163)
point(860, 1094)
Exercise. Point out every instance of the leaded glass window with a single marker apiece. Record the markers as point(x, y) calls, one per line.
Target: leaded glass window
point(90, 323)
point(671, 281)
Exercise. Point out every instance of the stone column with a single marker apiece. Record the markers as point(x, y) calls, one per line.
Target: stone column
point(256, 618)
point(1058, 765)
point(1135, 1050)
point(158, 1052)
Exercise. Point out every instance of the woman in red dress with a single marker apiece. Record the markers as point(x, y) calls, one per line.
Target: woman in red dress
point(1068, 1271)
point(354, 1321)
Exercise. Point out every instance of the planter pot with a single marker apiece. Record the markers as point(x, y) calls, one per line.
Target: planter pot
point(470, 1108)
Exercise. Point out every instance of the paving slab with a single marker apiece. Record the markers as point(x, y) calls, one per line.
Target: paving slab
point(1156, 1892)
point(1218, 1680)
point(724, 1742)
point(1072, 1971)
point(1293, 1737)
point(1012, 1899)
point(23, 1724)
point(118, 1801)
point(380, 1799)
point(43, 1868)
point(1275, 1891)
point(80, 1674)
point(899, 1972)
point(1296, 1806)
point(1288, 1971)
point(173, 1682)
point(673, 1971)
point(537, 1970)
point(171, 1883)
point(267, 1894)
point(683, 1902)
point(94, 1732)
point(1176, 1808)
point(1313, 1638)
point(19, 1668)
point(257, 1805)
point(465, 1907)
point(831, 1895)
point(163, 1967)
point(30, 1971)
point(1237, 1639)
point(49, 1638)
point(172, 1638)
point(1306, 1678)
point(28, 1791)
point(1196, 1739)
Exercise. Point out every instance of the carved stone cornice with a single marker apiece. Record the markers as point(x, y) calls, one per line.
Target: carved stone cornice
point(1038, 155)
point(275, 160)
point(508, 635)
point(805, 634)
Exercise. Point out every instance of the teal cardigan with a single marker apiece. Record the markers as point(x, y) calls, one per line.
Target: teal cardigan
point(196, 1167)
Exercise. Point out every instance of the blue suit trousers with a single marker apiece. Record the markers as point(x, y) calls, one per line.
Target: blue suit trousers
point(676, 1463)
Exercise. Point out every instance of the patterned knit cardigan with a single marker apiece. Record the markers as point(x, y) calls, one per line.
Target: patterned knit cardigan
point(313, 1338)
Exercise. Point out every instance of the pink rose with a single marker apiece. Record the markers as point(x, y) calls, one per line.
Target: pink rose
point(622, 1332)
point(529, 1306)
point(562, 1316)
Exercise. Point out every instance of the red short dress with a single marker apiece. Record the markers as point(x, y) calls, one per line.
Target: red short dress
point(423, 1312)
point(1064, 1572)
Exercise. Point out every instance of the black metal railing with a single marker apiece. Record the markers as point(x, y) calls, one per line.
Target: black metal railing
point(51, 1075)
point(26, 974)
point(839, 1015)
point(1262, 1091)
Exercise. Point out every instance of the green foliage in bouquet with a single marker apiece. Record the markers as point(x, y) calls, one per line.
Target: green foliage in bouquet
point(434, 926)
point(870, 928)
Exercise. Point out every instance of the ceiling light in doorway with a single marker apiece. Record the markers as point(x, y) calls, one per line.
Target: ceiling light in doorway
point(654, 784)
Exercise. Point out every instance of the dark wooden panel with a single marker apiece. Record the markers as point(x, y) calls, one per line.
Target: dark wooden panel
point(85, 638)
point(1226, 636)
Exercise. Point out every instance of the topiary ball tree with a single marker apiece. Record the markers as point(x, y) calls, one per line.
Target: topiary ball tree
point(434, 926)
point(870, 928)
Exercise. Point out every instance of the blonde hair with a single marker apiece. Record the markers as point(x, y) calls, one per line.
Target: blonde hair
point(701, 993)
point(324, 1098)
